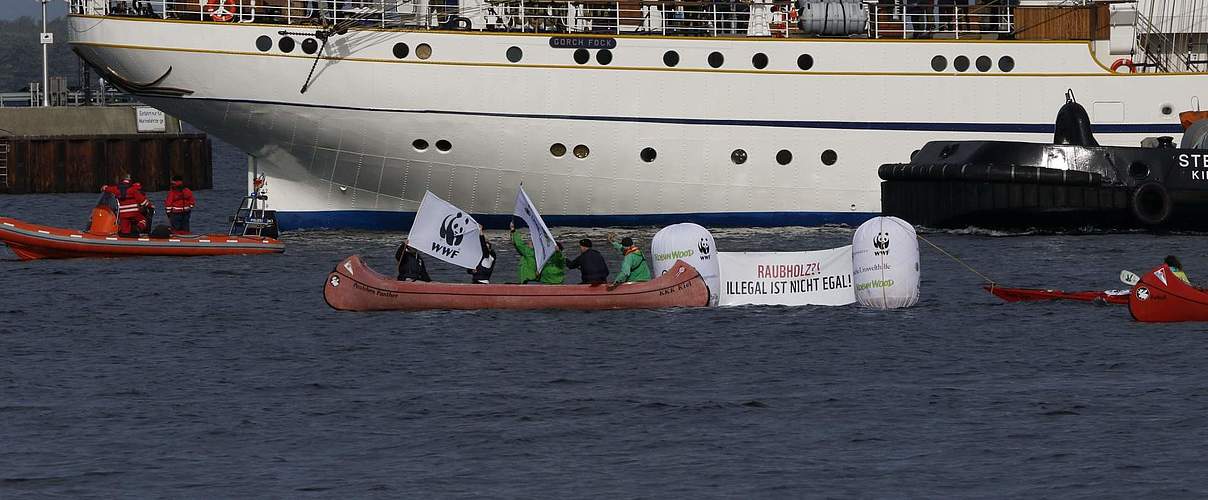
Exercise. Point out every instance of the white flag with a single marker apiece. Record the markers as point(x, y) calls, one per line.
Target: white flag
point(543, 241)
point(445, 232)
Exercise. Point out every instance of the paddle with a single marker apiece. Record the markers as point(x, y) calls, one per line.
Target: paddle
point(1129, 278)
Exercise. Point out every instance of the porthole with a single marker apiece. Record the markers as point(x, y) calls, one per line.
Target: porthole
point(419, 145)
point(784, 157)
point(444, 146)
point(738, 156)
point(716, 59)
point(581, 151)
point(401, 50)
point(1138, 170)
point(805, 62)
point(759, 61)
point(648, 155)
point(515, 54)
point(1167, 109)
point(309, 46)
point(961, 63)
point(558, 150)
point(286, 44)
point(582, 56)
point(423, 51)
point(829, 157)
point(939, 63)
point(670, 58)
point(604, 56)
point(1006, 64)
point(264, 43)
point(984, 64)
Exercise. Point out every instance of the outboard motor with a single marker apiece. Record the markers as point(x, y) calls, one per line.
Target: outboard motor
point(1073, 125)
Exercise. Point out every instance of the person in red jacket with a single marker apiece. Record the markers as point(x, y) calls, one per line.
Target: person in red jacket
point(179, 206)
point(132, 207)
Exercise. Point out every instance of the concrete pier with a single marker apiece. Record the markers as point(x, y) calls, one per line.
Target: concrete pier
point(79, 149)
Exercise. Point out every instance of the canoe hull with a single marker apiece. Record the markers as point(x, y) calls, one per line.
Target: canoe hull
point(1160, 297)
point(1037, 294)
point(33, 241)
point(353, 286)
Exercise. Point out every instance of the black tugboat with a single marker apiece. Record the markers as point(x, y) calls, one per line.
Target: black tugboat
point(1073, 182)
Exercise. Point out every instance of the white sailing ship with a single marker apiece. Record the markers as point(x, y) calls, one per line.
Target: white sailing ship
point(631, 112)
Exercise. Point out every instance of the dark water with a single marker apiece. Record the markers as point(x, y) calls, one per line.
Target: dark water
point(230, 377)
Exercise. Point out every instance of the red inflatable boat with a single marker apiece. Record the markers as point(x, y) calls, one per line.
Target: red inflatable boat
point(353, 286)
point(1118, 297)
point(1162, 297)
point(32, 241)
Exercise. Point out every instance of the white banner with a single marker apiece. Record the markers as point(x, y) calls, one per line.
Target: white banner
point(821, 277)
point(445, 232)
point(543, 240)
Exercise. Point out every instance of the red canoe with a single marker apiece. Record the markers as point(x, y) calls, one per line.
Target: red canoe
point(32, 241)
point(1032, 294)
point(353, 286)
point(1162, 297)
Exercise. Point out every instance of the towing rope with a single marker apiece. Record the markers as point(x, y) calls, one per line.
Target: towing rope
point(991, 282)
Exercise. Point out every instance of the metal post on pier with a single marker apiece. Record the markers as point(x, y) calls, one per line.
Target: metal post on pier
point(47, 39)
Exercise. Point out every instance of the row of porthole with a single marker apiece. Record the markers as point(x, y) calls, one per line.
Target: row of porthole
point(738, 156)
point(286, 44)
point(671, 58)
point(559, 150)
point(961, 63)
point(442, 145)
point(422, 51)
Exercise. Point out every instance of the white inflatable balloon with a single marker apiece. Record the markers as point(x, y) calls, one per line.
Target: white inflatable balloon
point(885, 263)
point(690, 243)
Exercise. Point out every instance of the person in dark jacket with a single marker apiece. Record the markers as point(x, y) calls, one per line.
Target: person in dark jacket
point(410, 264)
point(590, 264)
point(482, 272)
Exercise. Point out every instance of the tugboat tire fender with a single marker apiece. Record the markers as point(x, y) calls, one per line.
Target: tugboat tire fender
point(1151, 204)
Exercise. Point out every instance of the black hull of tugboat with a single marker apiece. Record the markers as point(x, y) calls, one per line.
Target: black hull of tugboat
point(989, 184)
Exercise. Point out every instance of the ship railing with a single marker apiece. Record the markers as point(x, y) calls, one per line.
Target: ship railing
point(779, 18)
point(916, 19)
point(665, 17)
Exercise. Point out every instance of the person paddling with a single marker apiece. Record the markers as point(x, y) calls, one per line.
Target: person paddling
point(1176, 268)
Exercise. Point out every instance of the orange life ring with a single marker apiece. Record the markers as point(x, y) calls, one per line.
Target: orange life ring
point(1132, 68)
point(220, 10)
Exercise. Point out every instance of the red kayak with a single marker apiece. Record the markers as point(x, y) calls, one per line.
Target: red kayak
point(32, 241)
point(1033, 294)
point(353, 286)
point(1162, 297)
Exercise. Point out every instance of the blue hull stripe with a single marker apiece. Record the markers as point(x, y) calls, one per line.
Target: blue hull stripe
point(1039, 128)
point(384, 220)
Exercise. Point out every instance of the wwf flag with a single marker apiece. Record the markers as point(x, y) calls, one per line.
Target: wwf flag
point(543, 241)
point(445, 232)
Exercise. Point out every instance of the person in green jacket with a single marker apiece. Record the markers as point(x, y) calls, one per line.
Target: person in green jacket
point(552, 273)
point(634, 266)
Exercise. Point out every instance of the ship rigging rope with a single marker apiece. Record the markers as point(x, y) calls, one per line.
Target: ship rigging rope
point(958, 260)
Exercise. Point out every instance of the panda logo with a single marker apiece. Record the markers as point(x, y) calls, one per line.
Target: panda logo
point(704, 248)
point(453, 229)
point(881, 243)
